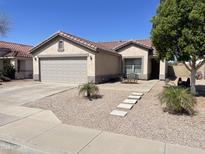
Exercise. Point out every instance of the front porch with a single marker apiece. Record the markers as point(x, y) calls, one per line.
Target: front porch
point(144, 69)
point(22, 66)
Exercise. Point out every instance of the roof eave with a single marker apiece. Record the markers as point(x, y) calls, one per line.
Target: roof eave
point(108, 52)
point(42, 43)
point(91, 47)
point(132, 42)
point(10, 57)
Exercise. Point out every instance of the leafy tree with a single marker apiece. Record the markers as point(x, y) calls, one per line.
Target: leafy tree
point(178, 33)
point(4, 24)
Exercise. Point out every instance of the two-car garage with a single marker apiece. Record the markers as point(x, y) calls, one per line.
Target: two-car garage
point(64, 58)
point(68, 70)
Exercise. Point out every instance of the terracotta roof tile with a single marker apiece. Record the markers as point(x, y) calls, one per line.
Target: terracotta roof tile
point(86, 43)
point(114, 44)
point(15, 50)
point(95, 46)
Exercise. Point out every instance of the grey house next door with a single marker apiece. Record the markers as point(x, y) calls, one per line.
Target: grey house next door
point(66, 70)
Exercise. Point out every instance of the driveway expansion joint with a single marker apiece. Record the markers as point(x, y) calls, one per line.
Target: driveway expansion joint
point(90, 142)
point(20, 118)
point(47, 130)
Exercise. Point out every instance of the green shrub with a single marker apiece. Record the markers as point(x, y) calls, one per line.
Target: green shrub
point(9, 71)
point(5, 79)
point(177, 100)
point(89, 89)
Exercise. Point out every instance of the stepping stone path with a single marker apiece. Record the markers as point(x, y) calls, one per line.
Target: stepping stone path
point(130, 101)
point(119, 113)
point(134, 97)
point(138, 94)
point(127, 104)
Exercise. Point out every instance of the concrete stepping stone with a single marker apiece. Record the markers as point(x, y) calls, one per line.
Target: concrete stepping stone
point(138, 94)
point(125, 106)
point(130, 101)
point(119, 113)
point(134, 97)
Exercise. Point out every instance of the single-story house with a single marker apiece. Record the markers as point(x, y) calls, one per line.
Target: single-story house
point(67, 58)
point(17, 55)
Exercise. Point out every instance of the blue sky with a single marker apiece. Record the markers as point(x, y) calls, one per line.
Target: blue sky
point(96, 20)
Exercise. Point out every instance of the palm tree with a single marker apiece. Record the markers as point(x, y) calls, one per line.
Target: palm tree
point(177, 100)
point(89, 89)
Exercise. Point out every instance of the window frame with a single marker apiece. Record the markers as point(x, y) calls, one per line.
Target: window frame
point(60, 46)
point(133, 66)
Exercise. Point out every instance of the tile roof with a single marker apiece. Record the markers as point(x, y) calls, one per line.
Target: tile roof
point(15, 50)
point(114, 45)
point(109, 46)
point(95, 46)
point(86, 43)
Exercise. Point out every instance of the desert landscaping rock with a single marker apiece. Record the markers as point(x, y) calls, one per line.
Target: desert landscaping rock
point(119, 113)
point(134, 97)
point(145, 120)
point(125, 106)
point(130, 101)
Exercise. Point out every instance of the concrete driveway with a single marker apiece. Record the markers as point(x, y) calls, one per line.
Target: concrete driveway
point(19, 93)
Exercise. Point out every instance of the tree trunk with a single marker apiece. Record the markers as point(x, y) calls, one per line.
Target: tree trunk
point(193, 67)
point(193, 81)
point(88, 94)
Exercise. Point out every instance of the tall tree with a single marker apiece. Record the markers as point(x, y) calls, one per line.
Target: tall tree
point(178, 33)
point(4, 24)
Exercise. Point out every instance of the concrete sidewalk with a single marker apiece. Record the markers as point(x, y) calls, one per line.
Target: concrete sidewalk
point(40, 130)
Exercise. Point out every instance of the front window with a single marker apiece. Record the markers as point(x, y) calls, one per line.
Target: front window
point(133, 65)
point(61, 46)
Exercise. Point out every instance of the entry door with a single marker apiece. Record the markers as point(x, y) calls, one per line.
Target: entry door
point(155, 69)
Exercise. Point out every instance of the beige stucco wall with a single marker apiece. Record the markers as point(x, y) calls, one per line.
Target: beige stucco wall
point(107, 64)
point(69, 49)
point(163, 70)
point(136, 52)
point(149, 65)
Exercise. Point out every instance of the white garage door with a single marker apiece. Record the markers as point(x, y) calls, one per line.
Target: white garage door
point(67, 70)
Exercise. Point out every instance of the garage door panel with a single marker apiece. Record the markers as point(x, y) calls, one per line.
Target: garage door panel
point(68, 70)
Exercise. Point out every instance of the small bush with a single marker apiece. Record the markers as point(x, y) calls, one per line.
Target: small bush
point(9, 71)
point(177, 100)
point(5, 79)
point(89, 89)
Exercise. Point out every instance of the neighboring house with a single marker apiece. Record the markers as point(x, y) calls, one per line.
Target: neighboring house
point(17, 55)
point(179, 70)
point(67, 58)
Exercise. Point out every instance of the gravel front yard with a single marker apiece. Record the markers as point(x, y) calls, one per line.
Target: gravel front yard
point(145, 120)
